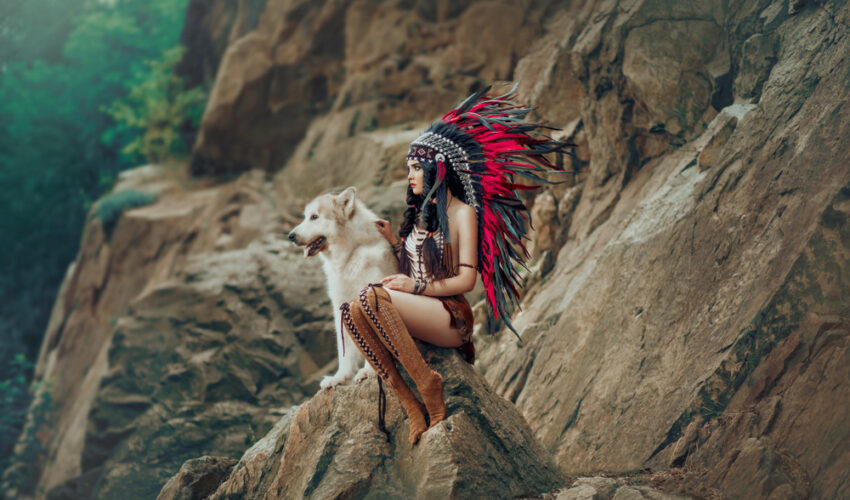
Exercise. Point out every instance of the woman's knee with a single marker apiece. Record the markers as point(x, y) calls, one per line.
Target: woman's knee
point(371, 293)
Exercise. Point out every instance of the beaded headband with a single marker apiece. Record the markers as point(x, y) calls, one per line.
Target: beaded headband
point(432, 147)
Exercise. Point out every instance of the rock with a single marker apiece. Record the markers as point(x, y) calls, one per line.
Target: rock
point(661, 64)
point(152, 179)
point(196, 367)
point(758, 56)
point(581, 492)
point(331, 447)
point(643, 493)
point(618, 322)
point(723, 125)
point(211, 27)
point(628, 493)
point(589, 488)
point(795, 6)
point(544, 214)
point(197, 478)
point(304, 59)
point(605, 488)
point(273, 81)
point(368, 160)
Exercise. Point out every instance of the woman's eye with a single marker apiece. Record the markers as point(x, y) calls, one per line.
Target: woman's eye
point(314, 217)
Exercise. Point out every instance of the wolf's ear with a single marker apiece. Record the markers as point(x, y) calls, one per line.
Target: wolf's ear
point(345, 202)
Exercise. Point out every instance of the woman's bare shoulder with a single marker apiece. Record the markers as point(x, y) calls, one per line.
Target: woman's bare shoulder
point(461, 210)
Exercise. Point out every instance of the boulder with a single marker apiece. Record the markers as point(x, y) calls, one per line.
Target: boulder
point(197, 478)
point(331, 447)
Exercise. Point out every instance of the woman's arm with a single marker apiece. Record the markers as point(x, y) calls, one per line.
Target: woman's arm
point(464, 281)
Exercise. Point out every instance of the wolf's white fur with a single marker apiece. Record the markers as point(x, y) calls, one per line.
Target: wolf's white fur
point(355, 255)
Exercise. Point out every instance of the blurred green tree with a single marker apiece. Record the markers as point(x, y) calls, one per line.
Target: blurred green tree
point(30, 408)
point(155, 110)
point(61, 63)
point(19, 20)
point(56, 155)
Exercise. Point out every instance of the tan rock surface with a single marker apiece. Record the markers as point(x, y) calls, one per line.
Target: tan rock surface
point(390, 62)
point(271, 82)
point(603, 488)
point(211, 27)
point(331, 447)
point(661, 308)
point(197, 478)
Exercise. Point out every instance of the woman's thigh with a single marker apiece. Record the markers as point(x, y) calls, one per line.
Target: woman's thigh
point(426, 318)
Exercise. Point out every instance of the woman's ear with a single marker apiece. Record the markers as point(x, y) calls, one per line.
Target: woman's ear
point(345, 202)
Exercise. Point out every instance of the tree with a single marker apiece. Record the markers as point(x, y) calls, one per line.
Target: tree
point(155, 111)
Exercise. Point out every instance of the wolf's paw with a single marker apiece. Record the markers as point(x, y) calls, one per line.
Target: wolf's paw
point(332, 381)
point(363, 373)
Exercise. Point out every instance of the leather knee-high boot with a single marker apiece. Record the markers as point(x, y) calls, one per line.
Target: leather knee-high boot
point(382, 361)
point(387, 322)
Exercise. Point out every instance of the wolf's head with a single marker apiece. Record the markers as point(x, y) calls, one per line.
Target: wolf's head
point(323, 218)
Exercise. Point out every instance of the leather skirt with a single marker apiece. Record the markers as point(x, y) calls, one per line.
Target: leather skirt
point(461, 317)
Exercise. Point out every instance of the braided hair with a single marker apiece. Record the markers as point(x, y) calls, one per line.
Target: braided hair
point(432, 213)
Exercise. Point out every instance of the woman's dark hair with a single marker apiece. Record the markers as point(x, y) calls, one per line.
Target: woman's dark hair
point(434, 218)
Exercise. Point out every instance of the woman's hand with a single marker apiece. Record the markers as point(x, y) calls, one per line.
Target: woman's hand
point(386, 230)
point(399, 282)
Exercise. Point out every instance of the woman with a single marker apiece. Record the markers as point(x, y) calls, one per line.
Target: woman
point(434, 319)
point(463, 215)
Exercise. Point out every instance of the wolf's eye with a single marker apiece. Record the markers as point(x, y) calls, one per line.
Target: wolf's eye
point(314, 217)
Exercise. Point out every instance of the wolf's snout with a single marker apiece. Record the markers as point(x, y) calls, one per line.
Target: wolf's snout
point(292, 236)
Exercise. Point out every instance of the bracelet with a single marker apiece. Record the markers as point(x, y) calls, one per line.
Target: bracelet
point(396, 247)
point(419, 287)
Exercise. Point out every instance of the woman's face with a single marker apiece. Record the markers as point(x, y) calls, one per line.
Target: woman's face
point(415, 176)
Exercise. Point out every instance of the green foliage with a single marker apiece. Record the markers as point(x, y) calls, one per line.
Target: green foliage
point(22, 467)
point(110, 208)
point(60, 62)
point(156, 107)
point(21, 19)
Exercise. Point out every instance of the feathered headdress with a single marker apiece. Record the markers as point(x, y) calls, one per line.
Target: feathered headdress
point(485, 142)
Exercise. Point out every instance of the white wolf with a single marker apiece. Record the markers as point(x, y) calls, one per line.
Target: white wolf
point(341, 230)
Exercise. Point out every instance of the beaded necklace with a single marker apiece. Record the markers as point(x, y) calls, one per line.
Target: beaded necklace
point(413, 245)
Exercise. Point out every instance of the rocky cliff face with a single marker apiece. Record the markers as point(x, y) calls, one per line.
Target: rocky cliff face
point(685, 320)
point(699, 275)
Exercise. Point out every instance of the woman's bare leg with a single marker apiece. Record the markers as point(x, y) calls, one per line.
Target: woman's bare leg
point(426, 318)
point(388, 323)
